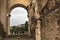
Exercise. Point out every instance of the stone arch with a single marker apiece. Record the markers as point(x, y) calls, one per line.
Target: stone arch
point(18, 5)
point(10, 9)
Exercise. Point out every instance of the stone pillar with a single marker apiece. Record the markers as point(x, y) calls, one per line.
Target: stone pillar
point(31, 11)
point(8, 24)
point(37, 16)
point(38, 34)
point(3, 13)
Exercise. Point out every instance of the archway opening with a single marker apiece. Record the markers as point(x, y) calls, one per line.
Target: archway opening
point(19, 21)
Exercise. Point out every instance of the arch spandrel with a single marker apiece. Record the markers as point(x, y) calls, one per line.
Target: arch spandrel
point(24, 2)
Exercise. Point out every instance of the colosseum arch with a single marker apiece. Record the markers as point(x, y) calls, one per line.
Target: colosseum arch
point(8, 15)
point(8, 5)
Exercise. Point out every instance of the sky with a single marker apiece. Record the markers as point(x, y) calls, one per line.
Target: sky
point(18, 16)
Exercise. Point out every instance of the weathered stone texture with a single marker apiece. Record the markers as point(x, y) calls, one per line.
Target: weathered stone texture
point(50, 26)
point(13, 2)
point(44, 12)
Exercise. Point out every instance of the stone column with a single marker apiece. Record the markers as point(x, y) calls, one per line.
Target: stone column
point(38, 34)
point(8, 18)
point(8, 23)
point(37, 16)
point(31, 10)
point(3, 13)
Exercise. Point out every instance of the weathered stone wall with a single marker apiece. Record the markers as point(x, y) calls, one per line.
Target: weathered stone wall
point(3, 12)
point(49, 25)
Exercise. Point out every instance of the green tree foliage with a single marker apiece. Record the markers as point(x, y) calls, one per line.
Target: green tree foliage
point(21, 30)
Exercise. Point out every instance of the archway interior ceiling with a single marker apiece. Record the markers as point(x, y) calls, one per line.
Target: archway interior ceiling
point(23, 2)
